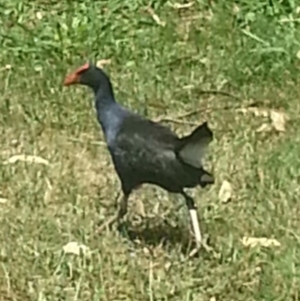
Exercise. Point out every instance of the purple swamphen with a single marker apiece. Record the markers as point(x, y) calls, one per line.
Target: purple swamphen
point(144, 151)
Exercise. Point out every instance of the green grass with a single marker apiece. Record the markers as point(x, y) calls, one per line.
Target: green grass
point(249, 50)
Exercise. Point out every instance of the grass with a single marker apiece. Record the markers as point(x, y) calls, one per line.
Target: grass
point(248, 49)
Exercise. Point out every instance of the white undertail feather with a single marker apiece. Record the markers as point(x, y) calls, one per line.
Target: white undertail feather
point(192, 153)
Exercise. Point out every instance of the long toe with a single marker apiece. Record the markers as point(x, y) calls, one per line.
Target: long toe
point(202, 245)
point(122, 228)
point(107, 224)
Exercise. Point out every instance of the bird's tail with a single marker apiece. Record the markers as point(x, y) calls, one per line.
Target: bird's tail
point(206, 179)
point(193, 147)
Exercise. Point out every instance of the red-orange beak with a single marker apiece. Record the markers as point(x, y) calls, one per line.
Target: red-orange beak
point(72, 79)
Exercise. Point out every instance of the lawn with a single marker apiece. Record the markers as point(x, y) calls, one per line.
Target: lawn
point(234, 64)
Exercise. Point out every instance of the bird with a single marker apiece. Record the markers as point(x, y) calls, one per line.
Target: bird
point(144, 151)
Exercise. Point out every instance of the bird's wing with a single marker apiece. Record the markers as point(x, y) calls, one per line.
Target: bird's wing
point(143, 145)
point(147, 152)
point(147, 134)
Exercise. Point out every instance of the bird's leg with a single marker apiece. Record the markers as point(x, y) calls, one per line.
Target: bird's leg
point(123, 206)
point(194, 218)
point(122, 203)
point(195, 224)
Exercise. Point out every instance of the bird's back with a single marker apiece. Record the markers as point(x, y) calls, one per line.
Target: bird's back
point(145, 152)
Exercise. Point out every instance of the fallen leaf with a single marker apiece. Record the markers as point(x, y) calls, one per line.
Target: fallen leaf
point(140, 208)
point(258, 269)
point(262, 241)
point(39, 15)
point(156, 208)
point(168, 265)
point(264, 128)
point(38, 68)
point(75, 248)
point(6, 67)
point(26, 158)
point(14, 142)
point(156, 17)
point(3, 200)
point(146, 251)
point(102, 63)
point(261, 175)
point(278, 120)
point(225, 192)
point(254, 110)
point(236, 9)
point(181, 6)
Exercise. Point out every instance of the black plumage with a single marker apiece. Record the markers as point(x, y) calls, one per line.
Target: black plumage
point(144, 151)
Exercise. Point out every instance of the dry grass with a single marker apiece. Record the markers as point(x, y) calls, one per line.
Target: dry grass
point(49, 206)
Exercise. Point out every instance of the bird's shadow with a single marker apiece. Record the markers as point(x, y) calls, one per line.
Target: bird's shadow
point(160, 234)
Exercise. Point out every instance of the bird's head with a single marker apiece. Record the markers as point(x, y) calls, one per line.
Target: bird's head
point(89, 75)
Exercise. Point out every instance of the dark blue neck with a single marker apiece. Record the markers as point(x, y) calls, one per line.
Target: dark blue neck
point(109, 113)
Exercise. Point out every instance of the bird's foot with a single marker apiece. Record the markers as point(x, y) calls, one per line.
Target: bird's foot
point(120, 224)
point(107, 224)
point(201, 244)
point(122, 228)
point(122, 201)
